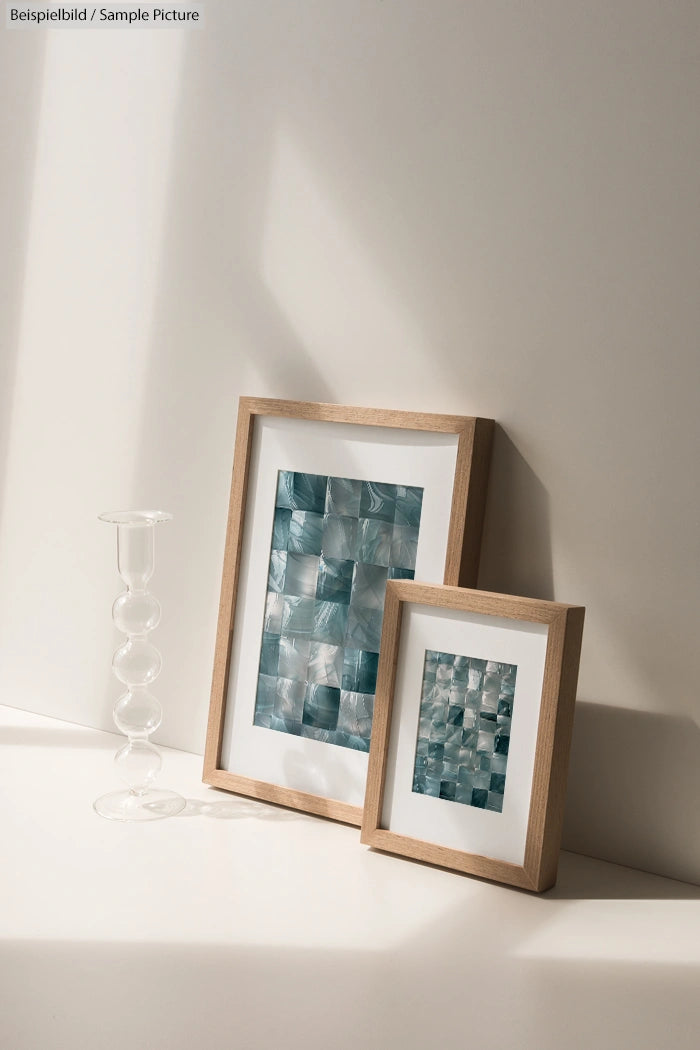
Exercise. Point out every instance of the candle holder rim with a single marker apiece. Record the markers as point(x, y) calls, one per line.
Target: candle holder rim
point(135, 518)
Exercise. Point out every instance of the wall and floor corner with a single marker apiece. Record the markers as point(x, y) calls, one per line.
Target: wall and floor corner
point(476, 208)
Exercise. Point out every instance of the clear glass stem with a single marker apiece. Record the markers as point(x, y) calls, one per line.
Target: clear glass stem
point(137, 663)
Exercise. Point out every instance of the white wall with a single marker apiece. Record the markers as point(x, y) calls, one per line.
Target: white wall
point(485, 208)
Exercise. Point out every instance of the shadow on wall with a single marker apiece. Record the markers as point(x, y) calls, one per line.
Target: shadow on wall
point(634, 780)
point(516, 551)
point(634, 789)
point(584, 878)
point(22, 82)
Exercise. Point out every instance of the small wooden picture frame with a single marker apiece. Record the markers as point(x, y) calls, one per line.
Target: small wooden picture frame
point(327, 504)
point(472, 728)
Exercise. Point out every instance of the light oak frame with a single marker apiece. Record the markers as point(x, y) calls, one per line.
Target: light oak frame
point(461, 565)
point(546, 811)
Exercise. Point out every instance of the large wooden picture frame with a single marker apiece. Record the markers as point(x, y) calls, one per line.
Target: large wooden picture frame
point(327, 503)
point(474, 705)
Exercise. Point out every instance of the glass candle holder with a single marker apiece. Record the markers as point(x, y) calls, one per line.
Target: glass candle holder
point(136, 663)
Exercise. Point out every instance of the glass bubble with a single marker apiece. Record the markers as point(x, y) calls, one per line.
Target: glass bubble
point(136, 613)
point(138, 764)
point(137, 713)
point(137, 662)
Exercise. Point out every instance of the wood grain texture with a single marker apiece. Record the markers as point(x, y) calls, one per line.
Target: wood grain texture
point(565, 627)
point(284, 796)
point(229, 588)
point(463, 544)
point(553, 747)
point(383, 703)
point(474, 465)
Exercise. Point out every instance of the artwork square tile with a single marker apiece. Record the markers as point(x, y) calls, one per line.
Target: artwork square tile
point(409, 501)
point(340, 537)
point(334, 582)
point(502, 743)
point(470, 738)
point(404, 546)
point(427, 690)
point(305, 532)
point(325, 664)
point(285, 489)
point(321, 706)
point(323, 736)
point(443, 675)
point(481, 779)
point(468, 759)
point(460, 670)
point(458, 693)
point(302, 574)
point(434, 710)
point(378, 501)
point(309, 492)
point(351, 669)
point(355, 714)
point(494, 802)
point(452, 734)
point(424, 727)
point(441, 694)
point(465, 775)
point(486, 742)
point(330, 622)
point(430, 668)
point(368, 587)
point(433, 767)
point(285, 725)
point(294, 658)
point(343, 497)
point(367, 671)
point(455, 714)
point(273, 613)
point(469, 718)
point(289, 699)
point(460, 744)
point(269, 654)
point(331, 543)
point(449, 770)
point(473, 700)
point(280, 528)
point(364, 628)
point(297, 616)
point(453, 750)
point(265, 699)
point(375, 542)
point(278, 569)
point(499, 763)
point(357, 743)
point(422, 746)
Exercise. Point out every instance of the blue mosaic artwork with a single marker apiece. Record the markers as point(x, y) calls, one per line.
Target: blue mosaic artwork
point(464, 729)
point(335, 543)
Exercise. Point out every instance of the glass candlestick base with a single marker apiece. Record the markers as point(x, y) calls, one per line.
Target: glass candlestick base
point(152, 805)
point(136, 663)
